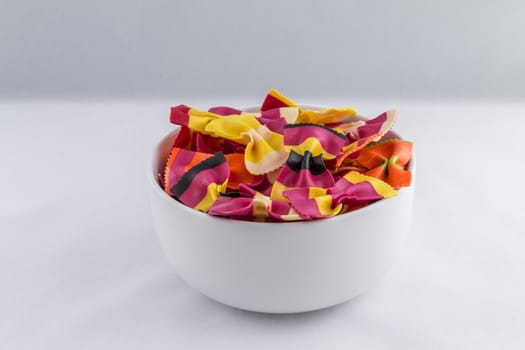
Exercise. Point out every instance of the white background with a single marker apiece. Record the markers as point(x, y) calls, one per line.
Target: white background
point(85, 90)
point(81, 267)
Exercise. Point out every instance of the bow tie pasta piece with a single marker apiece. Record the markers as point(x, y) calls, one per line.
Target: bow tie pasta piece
point(301, 171)
point(313, 138)
point(180, 161)
point(351, 191)
point(192, 118)
point(195, 141)
point(355, 188)
point(309, 145)
point(233, 206)
point(196, 179)
point(374, 128)
point(191, 121)
point(275, 99)
point(312, 202)
point(248, 203)
point(361, 133)
point(387, 161)
point(275, 119)
point(326, 116)
point(264, 148)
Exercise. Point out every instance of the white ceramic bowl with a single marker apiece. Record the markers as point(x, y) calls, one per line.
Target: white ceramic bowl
point(279, 267)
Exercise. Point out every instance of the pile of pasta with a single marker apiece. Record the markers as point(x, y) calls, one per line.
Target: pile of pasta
point(283, 162)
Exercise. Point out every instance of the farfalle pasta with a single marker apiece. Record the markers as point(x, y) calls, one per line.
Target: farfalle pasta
point(196, 179)
point(264, 148)
point(349, 192)
point(249, 204)
point(282, 162)
point(387, 161)
point(308, 145)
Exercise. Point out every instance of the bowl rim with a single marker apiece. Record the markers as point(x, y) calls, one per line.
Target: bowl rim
point(153, 181)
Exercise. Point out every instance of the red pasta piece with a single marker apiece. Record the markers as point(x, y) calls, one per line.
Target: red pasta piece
point(184, 138)
point(275, 99)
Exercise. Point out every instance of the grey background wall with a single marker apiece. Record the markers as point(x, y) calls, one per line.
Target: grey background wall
point(406, 49)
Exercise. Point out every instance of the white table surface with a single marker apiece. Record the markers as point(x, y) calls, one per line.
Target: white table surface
point(80, 266)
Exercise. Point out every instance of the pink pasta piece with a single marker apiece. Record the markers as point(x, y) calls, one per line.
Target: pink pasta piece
point(223, 110)
point(351, 191)
point(196, 179)
point(248, 203)
point(361, 133)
